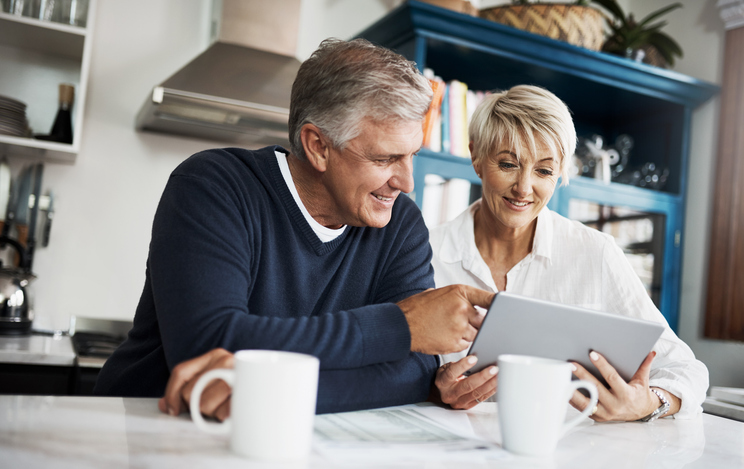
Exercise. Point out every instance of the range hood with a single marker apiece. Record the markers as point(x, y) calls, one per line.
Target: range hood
point(232, 92)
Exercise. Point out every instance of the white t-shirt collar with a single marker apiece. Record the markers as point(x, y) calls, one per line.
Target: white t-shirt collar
point(324, 233)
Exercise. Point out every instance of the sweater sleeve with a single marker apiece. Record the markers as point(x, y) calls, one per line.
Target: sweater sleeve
point(201, 267)
point(385, 384)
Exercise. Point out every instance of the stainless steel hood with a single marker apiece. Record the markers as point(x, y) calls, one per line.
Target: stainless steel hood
point(228, 93)
point(238, 89)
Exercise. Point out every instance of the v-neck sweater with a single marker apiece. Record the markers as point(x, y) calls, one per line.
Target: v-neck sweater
point(234, 264)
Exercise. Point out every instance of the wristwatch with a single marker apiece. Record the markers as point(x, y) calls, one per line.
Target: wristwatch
point(660, 412)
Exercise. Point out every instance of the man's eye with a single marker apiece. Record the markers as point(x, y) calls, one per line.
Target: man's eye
point(390, 160)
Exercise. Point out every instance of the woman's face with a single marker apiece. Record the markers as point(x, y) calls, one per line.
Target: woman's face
point(515, 190)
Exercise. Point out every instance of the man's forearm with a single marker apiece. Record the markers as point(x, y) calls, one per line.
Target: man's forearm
point(386, 384)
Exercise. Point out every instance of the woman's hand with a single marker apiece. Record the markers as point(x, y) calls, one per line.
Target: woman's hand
point(621, 401)
point(464, 392)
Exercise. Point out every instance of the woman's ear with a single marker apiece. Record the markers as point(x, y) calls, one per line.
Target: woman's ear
point(316, 146)
point(476, 164)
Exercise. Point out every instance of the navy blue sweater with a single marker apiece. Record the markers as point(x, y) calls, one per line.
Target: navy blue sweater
point(234, 264)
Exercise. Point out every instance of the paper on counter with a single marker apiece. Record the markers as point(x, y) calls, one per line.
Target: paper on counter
point(405, 433)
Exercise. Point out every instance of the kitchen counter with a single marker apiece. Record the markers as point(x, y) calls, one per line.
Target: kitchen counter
point(37, 350)
point(94, 432)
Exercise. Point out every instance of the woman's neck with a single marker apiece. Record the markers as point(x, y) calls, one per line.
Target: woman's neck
point(501, 247)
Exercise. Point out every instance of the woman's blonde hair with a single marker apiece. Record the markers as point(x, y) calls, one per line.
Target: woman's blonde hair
point(523, 115)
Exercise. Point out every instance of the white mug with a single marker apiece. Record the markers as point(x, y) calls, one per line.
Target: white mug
point(273, 404)
point(533, 395)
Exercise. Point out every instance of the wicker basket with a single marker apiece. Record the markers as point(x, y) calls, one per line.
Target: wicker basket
point(576, 24)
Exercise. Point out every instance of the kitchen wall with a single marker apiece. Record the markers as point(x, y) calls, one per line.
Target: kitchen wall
point(95, 262)
point(94, 265)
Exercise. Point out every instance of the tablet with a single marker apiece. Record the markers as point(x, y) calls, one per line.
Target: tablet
point(526, 326)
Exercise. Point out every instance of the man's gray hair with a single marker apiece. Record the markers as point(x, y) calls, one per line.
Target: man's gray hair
point(344, 82)
point(523, 114)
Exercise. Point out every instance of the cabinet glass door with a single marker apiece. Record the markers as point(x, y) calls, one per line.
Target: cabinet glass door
point(639, 234)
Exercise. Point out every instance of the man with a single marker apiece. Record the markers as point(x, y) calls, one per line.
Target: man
point(314, 251)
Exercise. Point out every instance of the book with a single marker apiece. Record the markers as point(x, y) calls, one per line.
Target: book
point(457, 117)
point(723, 409)
point(446, 144)
point(729, 395)
point(433, 114)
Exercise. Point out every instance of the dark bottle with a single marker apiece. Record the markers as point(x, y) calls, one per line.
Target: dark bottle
point(62, 128)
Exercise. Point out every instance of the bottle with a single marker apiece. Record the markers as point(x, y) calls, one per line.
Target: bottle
point(62, 128)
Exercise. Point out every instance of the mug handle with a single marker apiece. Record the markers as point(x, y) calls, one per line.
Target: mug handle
point(223, 428)
point(573, 387)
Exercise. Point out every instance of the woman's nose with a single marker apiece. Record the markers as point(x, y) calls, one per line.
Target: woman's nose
point(523, 186)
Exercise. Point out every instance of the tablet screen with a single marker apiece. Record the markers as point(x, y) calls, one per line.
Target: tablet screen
point(520, 325)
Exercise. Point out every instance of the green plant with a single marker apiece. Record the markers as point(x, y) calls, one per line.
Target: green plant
point(628, 35)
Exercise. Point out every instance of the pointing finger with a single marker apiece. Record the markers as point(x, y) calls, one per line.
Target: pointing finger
point(478, 297)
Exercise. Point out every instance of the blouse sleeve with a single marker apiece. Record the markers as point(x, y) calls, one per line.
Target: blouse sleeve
point(675, 368)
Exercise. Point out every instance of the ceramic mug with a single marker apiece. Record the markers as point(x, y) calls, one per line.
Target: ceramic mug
point(272, 407)
point(533, 395)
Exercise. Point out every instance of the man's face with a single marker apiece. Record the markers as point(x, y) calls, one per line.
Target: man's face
point(366, 177)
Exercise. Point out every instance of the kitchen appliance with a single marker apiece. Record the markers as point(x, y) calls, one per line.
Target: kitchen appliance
point(238, 89)
point(16, 315)
point(94, 340)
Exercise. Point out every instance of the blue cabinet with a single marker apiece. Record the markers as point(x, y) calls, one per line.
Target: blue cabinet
point(608, 96)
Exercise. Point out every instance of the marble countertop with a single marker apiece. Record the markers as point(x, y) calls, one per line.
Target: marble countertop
point(95, 432)
point(37, 350)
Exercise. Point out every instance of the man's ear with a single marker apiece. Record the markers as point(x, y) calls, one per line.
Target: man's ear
point(316, 146)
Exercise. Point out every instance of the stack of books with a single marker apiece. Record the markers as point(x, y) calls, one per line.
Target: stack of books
point(725, 402)
point(446, 124)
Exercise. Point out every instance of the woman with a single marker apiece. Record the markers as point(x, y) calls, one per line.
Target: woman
point(520, 142)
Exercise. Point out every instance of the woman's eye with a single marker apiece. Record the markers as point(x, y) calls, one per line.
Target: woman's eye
point(506, 165)
point(545, 172)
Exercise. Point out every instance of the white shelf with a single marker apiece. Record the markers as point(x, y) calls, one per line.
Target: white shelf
point(43, 24)
point(35, 56)
point(40, 150)
point(42, 36)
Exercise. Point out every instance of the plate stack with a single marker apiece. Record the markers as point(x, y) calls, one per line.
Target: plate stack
point(13, 118)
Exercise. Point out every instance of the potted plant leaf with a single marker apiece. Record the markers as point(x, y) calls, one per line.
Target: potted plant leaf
point(641, 40)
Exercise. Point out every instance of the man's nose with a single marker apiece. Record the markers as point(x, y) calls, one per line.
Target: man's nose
point(402, 178)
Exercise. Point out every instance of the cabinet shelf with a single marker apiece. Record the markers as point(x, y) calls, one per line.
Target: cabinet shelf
point(41, 150)
point(35, 57)
point(608, 95)
point(44, 37)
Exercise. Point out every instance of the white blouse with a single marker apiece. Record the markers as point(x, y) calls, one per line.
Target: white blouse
point(577, 265)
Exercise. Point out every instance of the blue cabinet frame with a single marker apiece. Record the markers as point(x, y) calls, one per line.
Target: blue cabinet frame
point(608, 95)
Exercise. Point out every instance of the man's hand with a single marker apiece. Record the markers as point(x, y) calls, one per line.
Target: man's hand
point(215, 400)
point(444, 320)
point(621, 401)
point(462, 392)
